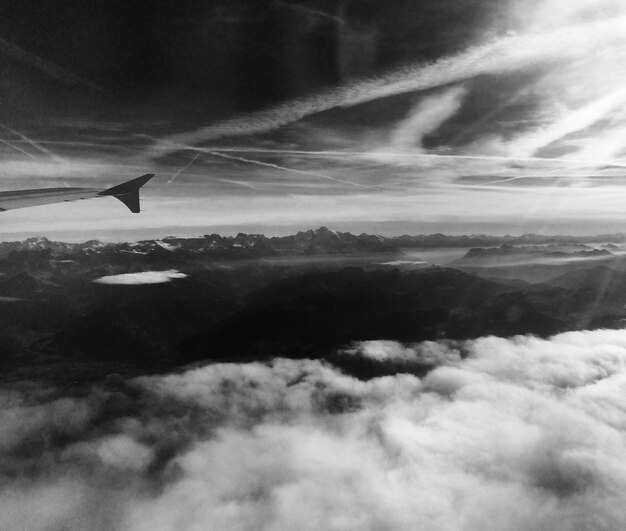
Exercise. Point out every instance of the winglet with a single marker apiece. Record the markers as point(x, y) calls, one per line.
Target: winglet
point(128, 192)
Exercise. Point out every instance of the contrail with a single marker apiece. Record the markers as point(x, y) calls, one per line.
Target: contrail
point(16, 148)
point(549, 174)
point(219, 153)
point(283, 168)
point(504, 55)
point(499, 158)
point(184, 168)
point(224, 153)
point(546, 176)
point(314, 12)
point(54, 71)
point(239, 183)
point(30, 141)
point(510, 179)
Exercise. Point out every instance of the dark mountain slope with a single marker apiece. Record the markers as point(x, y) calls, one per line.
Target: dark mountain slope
point(314, 314)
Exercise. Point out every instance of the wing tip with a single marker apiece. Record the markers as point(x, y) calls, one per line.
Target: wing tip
point(128, 192)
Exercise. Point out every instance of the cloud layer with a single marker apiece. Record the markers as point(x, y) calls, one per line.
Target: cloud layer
point(506, 434)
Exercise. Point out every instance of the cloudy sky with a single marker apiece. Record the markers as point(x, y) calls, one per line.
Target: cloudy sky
point(401, 116)
point(507, 434)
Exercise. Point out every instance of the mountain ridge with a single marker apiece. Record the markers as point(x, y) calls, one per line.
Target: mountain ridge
point(304, 243)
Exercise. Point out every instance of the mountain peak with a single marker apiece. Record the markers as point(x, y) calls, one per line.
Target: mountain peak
point(323, 230)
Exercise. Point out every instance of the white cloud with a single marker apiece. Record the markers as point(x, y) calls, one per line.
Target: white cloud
point(506, 54)
point(428, 352)
point(571, 122)
point(124, 452)
point(144, 277)
point(425, 118)
point(576, 51)
point(519, 433)
point(542, 14)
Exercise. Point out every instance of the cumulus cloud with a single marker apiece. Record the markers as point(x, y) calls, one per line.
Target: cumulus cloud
point(144, 277)
point(520, 433)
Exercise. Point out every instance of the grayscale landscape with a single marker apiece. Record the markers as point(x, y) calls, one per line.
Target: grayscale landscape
point(367, 270)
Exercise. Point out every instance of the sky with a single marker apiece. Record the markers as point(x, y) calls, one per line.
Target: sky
point(275, 116)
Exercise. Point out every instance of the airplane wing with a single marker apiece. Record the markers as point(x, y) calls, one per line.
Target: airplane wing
point(127, 193)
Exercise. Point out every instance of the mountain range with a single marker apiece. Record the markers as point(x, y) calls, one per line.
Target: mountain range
point(225, 298)
point(314, 242)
